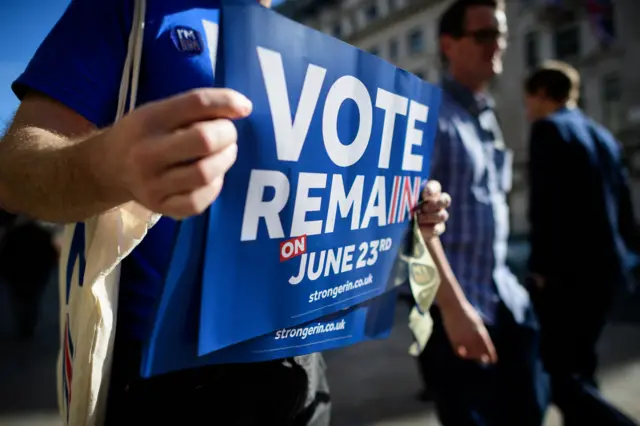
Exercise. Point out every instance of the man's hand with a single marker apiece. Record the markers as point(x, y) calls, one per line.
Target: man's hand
point(432, 213)
point(468, 334)
point(171, 156)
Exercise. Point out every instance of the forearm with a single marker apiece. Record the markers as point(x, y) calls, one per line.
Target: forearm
point(51, 177)
point(450, 295)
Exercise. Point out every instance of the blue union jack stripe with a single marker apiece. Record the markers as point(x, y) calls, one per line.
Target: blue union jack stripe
point(67, 365)
point(76, 253)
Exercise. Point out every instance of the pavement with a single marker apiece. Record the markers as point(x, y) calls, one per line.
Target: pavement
point(373, 383)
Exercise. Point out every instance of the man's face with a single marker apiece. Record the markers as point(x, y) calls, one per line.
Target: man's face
point(535, 106)
point(265, 3)
point(478, 52)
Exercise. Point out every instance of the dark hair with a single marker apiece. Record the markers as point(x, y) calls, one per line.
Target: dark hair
point(558, 80)
point(452, 21)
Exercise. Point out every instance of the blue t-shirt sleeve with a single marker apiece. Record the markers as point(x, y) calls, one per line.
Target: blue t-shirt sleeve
point(80, 61)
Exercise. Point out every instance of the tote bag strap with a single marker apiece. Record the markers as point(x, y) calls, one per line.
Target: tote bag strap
point(90, 388)
point(131, 70)
point(128, 87)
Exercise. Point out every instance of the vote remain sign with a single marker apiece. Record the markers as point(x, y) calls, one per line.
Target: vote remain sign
point(299, 253)
point(330, 164)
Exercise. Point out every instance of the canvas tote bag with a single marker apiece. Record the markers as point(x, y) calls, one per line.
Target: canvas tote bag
point(89, 274)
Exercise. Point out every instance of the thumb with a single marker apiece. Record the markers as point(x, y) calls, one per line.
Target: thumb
point(431, 190)
point(193, 106)
point(490, 355)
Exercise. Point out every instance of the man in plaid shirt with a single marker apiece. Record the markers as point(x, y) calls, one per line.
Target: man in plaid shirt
point(482, 362)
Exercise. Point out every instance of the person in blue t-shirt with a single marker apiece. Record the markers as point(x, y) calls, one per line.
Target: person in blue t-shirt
point(64, 160)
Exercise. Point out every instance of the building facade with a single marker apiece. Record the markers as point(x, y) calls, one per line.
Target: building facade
point(607, 54)
point(403, 32)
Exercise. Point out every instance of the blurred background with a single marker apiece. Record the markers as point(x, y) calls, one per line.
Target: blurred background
point(376, 383)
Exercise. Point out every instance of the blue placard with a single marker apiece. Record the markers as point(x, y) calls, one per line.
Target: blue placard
point(173, 345)
point(330, 163)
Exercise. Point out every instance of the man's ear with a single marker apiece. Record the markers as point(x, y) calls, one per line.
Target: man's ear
point(446, 46)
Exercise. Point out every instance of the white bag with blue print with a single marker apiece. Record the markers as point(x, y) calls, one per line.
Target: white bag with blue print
point(88, 280)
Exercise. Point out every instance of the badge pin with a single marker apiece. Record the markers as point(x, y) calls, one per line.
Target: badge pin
point(187, 40)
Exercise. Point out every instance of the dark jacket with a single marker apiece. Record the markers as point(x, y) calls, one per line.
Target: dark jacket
point(580, 209)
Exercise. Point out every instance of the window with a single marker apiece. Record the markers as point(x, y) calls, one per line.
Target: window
point(415, 40)
point(531, 49)
point(611, 102)
point(393, 50)
point(371, 13)
point(566, 42)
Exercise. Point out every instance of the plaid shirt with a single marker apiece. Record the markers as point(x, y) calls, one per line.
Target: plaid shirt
point(473, 165)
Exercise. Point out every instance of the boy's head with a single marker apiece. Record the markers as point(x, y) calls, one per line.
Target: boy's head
point(552, 86)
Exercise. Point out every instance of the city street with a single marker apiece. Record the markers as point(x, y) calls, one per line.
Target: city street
point(373, 383)
point(527, 112)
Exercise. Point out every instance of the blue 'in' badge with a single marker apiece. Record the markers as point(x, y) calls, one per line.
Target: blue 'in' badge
point(187, 40)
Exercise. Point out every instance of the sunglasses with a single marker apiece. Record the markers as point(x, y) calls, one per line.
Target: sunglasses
point(486, 35)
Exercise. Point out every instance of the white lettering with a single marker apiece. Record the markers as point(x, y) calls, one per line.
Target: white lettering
point(338, 199)
point(392, 105)
point(287, 249)
point(289, 135)
point(347, 258)
point(305, 204)
point(301, 272)
point(333, 262)
point(411, 161)
point(346, 87)
point(255, 207)
point(376, 207)
point(315, 274)
point(211, 34)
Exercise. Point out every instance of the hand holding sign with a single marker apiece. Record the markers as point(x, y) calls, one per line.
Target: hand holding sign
point(171, 155)
point(432, 213)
